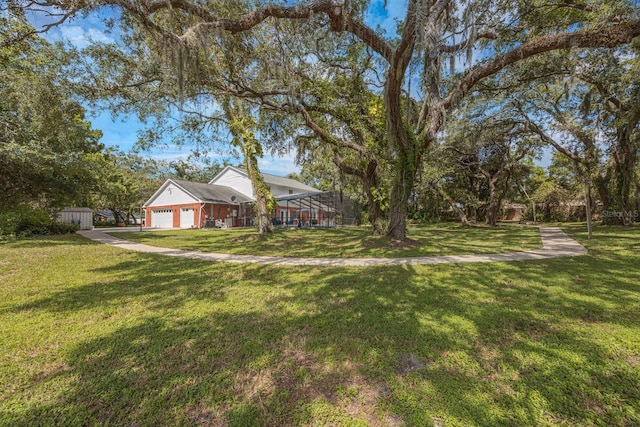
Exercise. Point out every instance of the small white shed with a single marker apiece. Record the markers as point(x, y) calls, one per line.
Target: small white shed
point(83, 217)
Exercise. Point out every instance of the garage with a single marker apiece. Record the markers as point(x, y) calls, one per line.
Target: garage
point(162, 218)
point(187, 217)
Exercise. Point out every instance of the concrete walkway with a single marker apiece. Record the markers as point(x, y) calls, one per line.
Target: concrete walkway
point(555, 244)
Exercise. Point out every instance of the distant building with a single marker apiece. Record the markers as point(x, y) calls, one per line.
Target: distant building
point(82, 217)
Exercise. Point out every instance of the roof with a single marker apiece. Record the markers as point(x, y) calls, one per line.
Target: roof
point(211, 192)
point(274, 180)
point(287, 182)
point(77, 210)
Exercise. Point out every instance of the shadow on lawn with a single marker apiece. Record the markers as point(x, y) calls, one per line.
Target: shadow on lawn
point(344, 242)
point(48, 241)
point(148, 279)
point(497, 344)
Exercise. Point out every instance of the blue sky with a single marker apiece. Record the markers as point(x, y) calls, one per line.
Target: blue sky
point(122, 132)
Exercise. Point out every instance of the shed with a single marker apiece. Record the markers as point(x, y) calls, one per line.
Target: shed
point(83, 217)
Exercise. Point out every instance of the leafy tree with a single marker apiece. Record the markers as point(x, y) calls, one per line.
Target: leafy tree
point(195, 169)
point(432, 32)
point(484, 150)
point(337, 118)
point(127, 181)
point(49, 154)
point(585, 112)
point(242, 128)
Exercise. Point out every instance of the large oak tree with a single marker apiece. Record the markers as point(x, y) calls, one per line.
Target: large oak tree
point(432, 35)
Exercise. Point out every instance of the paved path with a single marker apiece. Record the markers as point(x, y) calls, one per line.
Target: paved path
point(555, 243)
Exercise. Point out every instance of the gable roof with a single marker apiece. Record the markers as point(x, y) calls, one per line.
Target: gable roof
point(287, 182)
point(211, 192)
point(208, 193)
point(272, 180)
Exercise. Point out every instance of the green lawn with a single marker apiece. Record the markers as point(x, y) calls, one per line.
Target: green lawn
point(349, 242)
point(96, 335)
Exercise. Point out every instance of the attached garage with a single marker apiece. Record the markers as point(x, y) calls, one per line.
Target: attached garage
point(161, 218)
point(185, 204)
point(187, 217)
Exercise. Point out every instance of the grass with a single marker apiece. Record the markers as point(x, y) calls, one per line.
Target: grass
point(350, 242)
point(95, 335)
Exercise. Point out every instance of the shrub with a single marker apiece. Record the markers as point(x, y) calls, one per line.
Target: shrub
point(63, 228)
point(26, 221)
point(33, 223)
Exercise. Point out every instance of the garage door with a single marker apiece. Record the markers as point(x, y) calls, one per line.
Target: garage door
point(186, 217)
point(162, 218)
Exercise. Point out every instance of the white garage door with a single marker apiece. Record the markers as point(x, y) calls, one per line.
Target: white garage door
point(186, 217)
point(162, 218)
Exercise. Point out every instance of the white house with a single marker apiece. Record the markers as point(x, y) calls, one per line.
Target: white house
point(237, 179)
point(226, 202)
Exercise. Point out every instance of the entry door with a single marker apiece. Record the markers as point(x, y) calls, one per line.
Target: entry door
point(186, 217)
point(162, 218)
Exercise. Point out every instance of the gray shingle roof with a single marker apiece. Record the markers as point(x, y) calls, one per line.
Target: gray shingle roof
point(286, 182)
point(211, 193)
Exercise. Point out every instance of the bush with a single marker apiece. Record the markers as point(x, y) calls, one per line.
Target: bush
point(33, 223)
point(26, 221)
point(63, 228)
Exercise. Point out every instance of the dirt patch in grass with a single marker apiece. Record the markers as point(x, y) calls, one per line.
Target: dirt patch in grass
point(633, 361)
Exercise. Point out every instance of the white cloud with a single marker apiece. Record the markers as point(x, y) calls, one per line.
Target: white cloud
point(279, 165)
point(81, 37)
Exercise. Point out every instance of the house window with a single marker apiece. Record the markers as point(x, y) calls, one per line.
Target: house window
point(290, 191)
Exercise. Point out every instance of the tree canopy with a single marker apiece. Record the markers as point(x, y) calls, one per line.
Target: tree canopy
point(290, 61)
point(48, 151)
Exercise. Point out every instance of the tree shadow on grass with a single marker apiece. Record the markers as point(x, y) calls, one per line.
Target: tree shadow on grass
point(145, 277)
point(222, 344)
point(48, 241)
point(497, 352)
point(228, 365)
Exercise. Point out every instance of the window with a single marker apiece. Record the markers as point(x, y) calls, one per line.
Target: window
point(290, 191)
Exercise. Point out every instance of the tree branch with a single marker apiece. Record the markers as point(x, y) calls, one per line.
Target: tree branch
point(544, 137)
point(604, 37)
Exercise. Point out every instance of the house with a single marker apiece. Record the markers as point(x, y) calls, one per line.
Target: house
point(227, 201)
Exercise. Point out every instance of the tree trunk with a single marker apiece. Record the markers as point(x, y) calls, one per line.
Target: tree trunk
point(376, 213)
point(400, 141)
point(260, 189)
point(241, 125)
point(400, 193)
point(587, 199)
point(472, 214)
point(493, 207)
point(601, 184)
point(625, 156)
point(116, 216)
point(370, 182)
point(452, 203)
